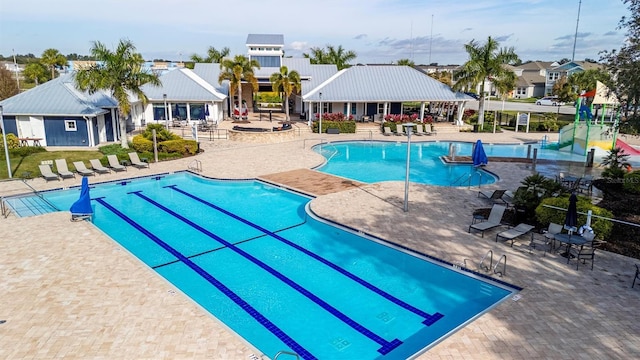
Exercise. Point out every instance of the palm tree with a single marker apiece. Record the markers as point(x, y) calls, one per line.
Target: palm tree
point(406, 62)
point(213, 55)
point(236, 70)
point(52, 58)
point(486, 61)
point(337, 56)
point(121, 73)
point(36, 72)
point(285, 82)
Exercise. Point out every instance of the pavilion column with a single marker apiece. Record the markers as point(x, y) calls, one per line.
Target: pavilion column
point(422, 106)
point(348, 110)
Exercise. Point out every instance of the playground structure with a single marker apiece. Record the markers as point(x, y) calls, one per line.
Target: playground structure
point(589, 132)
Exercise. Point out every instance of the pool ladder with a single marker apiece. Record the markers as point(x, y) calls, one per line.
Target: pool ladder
point(483, 266)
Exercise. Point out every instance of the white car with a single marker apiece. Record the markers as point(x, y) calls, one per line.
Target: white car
point(549, 100)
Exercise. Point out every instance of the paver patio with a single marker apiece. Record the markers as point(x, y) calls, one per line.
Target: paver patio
point(68, 291)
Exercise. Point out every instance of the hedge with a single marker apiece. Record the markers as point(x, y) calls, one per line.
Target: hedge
point(348, 126)
point(142, 144)
point(601, 227)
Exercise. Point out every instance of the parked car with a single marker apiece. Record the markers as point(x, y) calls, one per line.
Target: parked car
point(549, 100)
point(473, 95)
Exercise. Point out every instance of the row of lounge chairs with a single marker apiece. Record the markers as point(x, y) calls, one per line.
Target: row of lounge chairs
point(420, 130)
point(63, 172)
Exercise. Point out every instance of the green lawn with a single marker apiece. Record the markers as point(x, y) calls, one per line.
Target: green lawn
point(29, 164)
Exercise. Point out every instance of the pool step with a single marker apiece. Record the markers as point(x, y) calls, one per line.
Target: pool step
point(29, 206)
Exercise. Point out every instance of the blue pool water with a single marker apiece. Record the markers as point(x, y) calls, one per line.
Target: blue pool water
point(250, 254)
point(375, 161)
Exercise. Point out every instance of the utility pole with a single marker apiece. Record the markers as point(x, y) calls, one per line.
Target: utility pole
point(575, 38)
point(431, 40)
point(15, 68)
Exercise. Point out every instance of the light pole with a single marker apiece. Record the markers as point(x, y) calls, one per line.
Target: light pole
point(166, 113)
point(320, 124)
point(4, 139)
point(409, 127)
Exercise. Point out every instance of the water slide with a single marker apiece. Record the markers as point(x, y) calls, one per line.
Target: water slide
point(628, 149)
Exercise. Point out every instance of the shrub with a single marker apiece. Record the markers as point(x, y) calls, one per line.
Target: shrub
point(142, 144)
point(26, 150)
point(534, 189)
point(186, 147)
point(334, 117)
point(631, 182)
point(12, 142)
point(162, 134)
point(602, 228)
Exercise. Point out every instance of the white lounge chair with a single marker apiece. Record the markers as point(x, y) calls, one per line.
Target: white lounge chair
point(494, 220)
point(513, 233)
point(63, 169)
point(81, 169)
point(419, 130)
point(387, 131)
point(47, 173)
point(97, 167)
point(114, 164)
point(135, 161)
point(399, 130)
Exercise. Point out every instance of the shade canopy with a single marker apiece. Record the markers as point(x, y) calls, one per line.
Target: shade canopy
point(83, 205)
point(479, 157)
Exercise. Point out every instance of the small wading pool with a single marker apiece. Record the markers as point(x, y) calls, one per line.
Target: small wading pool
point(284, 280)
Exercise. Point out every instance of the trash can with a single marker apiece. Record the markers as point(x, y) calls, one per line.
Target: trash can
point(475, 128)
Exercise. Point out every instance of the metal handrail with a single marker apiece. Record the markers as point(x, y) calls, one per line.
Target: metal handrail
point(197, 167)
point(282, 352)
point(596, 216)
point(40, 196)
point(4, 209)
point(490, 254)
point(504, 266)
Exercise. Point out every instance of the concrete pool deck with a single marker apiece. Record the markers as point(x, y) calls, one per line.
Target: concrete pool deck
point(68, 291)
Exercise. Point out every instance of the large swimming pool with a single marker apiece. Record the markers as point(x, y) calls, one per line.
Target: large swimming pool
point(255, 257)
point(375, 161)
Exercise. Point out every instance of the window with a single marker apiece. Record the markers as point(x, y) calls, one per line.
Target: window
point(179, 111)
point(380, 108)
point(70, 125)
point(197, 111)
point(353, 109)
point(554, 76)
point(267, 61)
point(159, 112)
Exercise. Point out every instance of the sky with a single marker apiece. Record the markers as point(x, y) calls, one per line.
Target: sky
point(378, 31)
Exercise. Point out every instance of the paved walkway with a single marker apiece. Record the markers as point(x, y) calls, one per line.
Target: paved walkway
point(68, 291)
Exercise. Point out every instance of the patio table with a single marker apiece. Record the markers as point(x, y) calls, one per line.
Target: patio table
point(569, 239)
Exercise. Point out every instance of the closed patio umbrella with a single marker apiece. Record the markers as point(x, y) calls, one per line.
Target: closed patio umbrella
point(82, 207)
point(478, 156)
point(571, 219)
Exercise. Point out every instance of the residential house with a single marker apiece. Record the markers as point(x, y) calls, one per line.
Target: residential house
point(531, 79)
point(556, 72)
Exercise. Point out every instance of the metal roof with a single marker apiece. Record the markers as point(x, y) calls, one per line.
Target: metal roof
point(183, 85)
point(58, 97)
point(265, 39)
point(386, 83)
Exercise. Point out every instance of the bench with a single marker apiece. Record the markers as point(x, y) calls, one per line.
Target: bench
point(333, 131)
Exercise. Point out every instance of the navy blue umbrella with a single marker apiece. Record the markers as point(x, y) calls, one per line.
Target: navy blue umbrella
point(206, 110)
point(479, 157)
point(571, 219)
point(82, 206)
